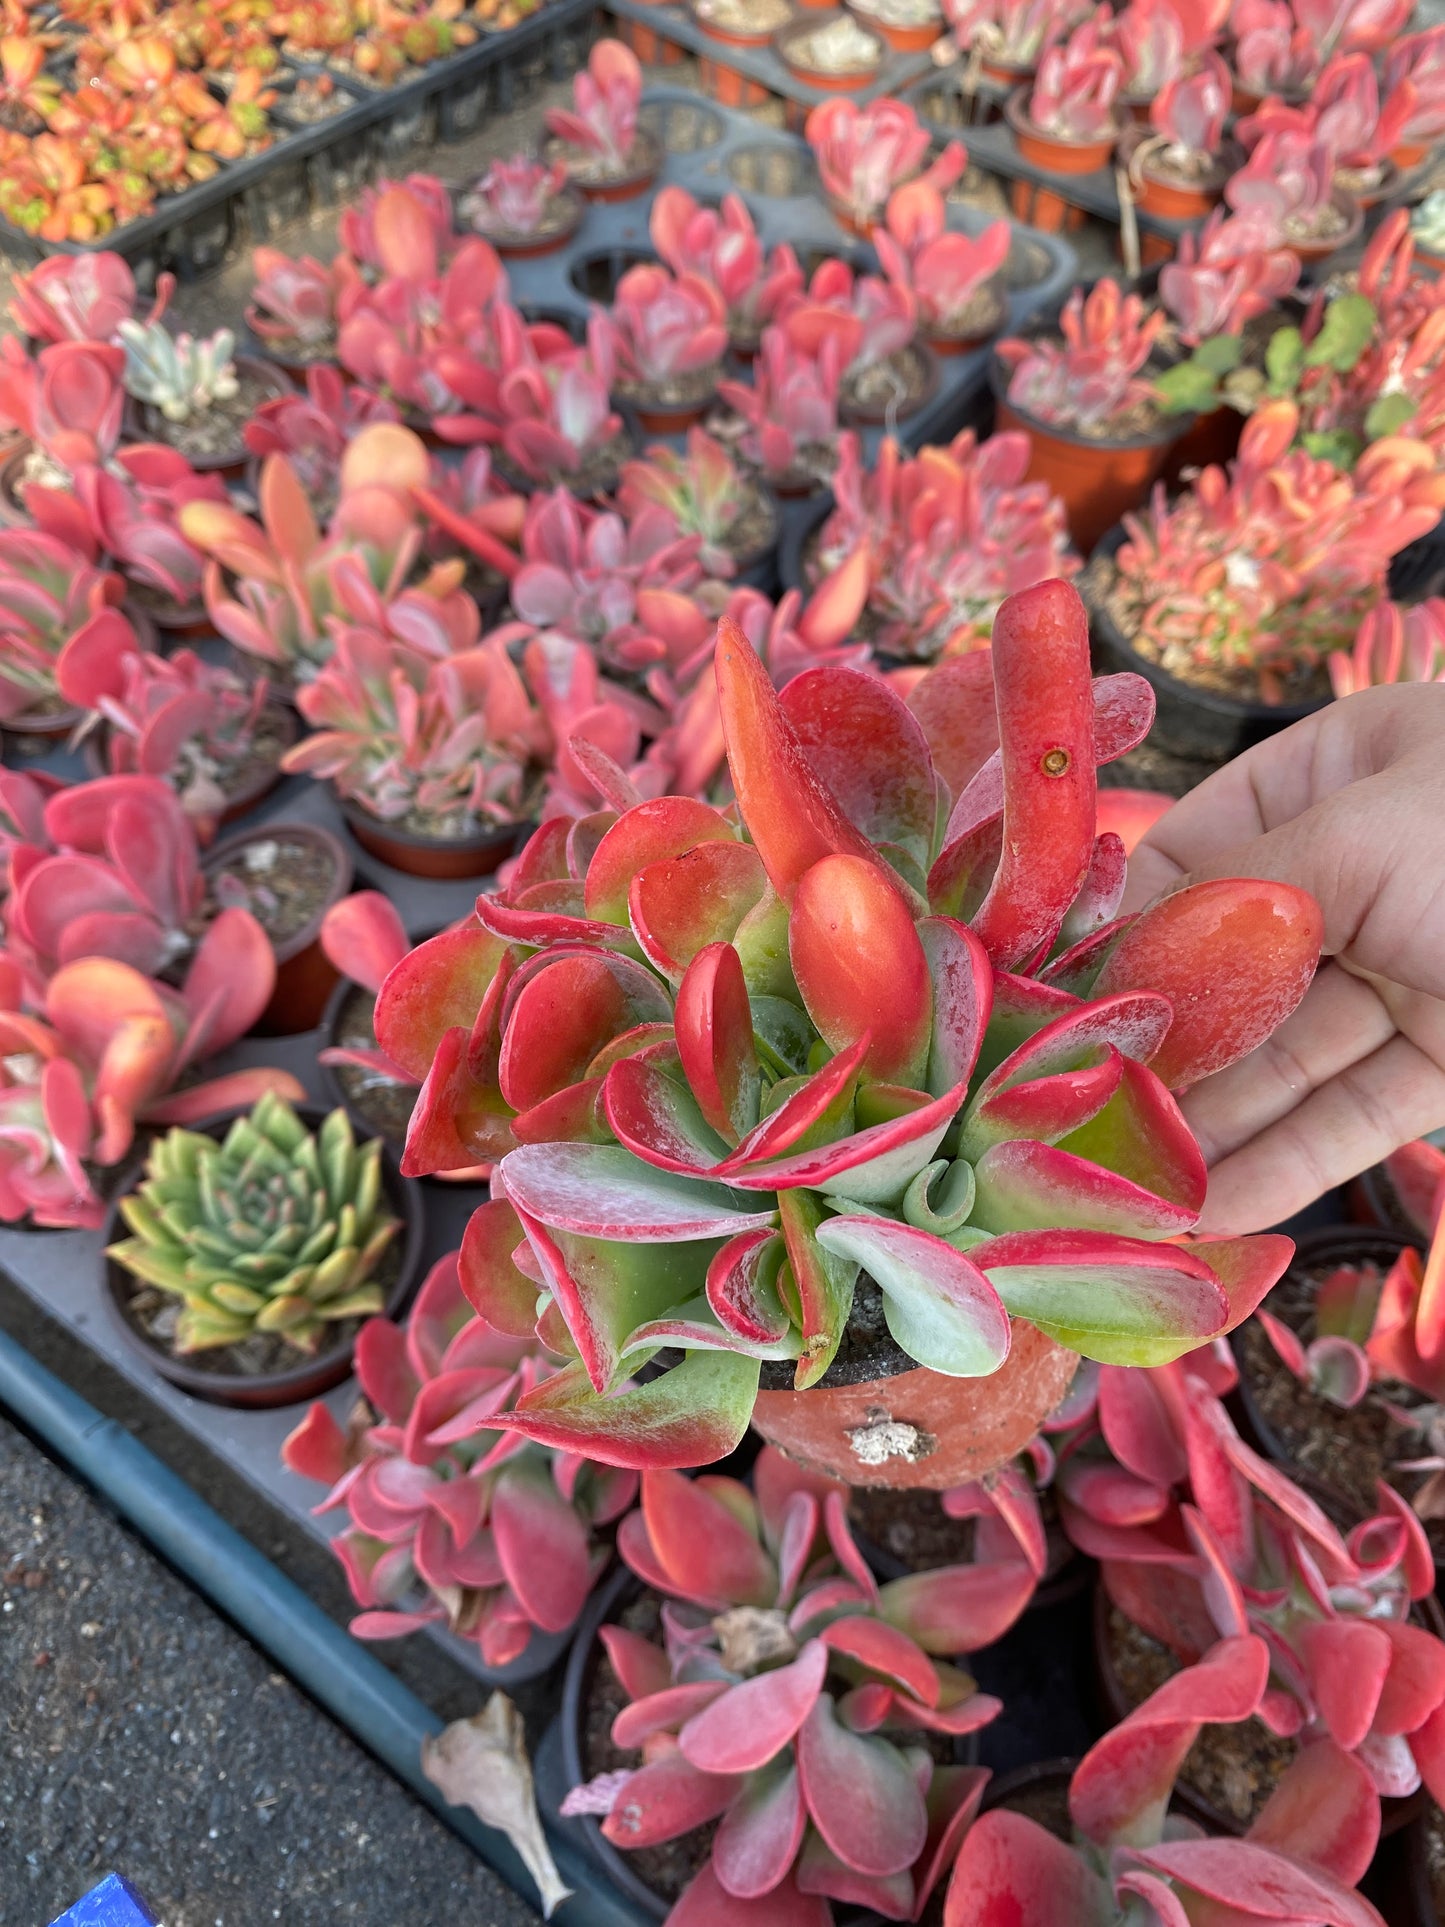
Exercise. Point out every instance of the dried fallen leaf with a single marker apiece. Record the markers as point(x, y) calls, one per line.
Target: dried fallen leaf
point(482, 1763)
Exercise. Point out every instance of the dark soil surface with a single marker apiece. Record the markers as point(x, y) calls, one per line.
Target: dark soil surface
point(867, 1350)
point(140, 1733)
point(912, 1527)
point(898, 382)
point(217, 432)
point(1347, 1450)
point(1047, 1805)
point(597, 475)
point(287, 881)
point(1234, 1768)
point(598, 170)
point(669, 1867)
point(386, 1106)
point(689, 390)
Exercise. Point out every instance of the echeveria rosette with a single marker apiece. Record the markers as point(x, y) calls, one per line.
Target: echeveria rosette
point(453, 1522)
point(792, 1701)
point(732, 1060)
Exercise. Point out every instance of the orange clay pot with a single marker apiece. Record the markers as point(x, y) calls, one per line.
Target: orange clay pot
point(1037, 205)
point(786, 37)
point(648, 44)
point(949, 1431)
point(727, 86)
point(903, 40)
point(1097, 481)
point(1409, 154)
point(1311, 252)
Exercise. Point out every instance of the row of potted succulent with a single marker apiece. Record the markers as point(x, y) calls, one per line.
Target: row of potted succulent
point(100, 120)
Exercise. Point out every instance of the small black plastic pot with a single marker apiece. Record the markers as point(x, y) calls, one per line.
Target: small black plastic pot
point(440, 858)
point(304, 974)
point(1339, 1245)
point(310, 1377)
point(798, 532)
point(1399, 1882)
point(1188, 721)
point(1052, 1774)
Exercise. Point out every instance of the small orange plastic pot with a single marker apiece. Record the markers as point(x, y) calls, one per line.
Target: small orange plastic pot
point(1097, 481)
point(1039, 206)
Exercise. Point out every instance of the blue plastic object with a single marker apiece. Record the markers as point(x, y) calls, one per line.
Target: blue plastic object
point(114, 1903)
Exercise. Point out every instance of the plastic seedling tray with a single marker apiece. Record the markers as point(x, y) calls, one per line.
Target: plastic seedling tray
point(61, 1270)
point(762, 63)
point(326, 162)
point(992, 146)
point(725, 152)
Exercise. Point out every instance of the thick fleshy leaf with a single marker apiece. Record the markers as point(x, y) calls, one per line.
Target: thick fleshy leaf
point(694, 1413)
point(1022, 1185)
point(1011, 1873)
point(1234, 959)
point(663, 1711)
point(1121, 1790)
point(1415, 1685)
point(641, 1667)
point(954, 1794)
point(822, 1100)
point(1046, 742)
point(458, 1120)
point(758, 1837)
point(885, 1649)
point(602, 1191)
point(821, 1280)
point(859, 963)
point(1324, 1810)
point(562, 1014)
point(658, 1119)
point(1062, 1074)
point(742, 1287)
point(872, 1166)
point(861, 1794)
point(680, 905)
point(792, 817)
point(1110, 1298)
point(1141, 1134)
point(666, 1798)
point(1140, 1426)
point(317, 1448)
point(714, 1029)
point(756, 1719)
point(704, 1903)
point(542, 1544)
point(433, 989)
point(228, 984)
point(958, 1609)
point(1258, 1882)
point(706, 1551)
point(954, 703)
point(938, 1305)
point(1346, 1660)
point(494, 1287)
point(820, 1871)
point(962, 981)
point(870, 752)
point(664, 827)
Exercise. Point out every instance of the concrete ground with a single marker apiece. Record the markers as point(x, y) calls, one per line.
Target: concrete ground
point(139, 1732)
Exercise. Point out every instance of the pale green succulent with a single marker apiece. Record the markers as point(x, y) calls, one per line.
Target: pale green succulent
point(269, 1229)
point(178, 374)
point(1427, 223)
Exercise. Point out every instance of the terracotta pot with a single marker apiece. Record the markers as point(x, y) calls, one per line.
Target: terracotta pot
point(525, 247)
point(1037, 205)
point(727, 86)
point(1003, 75)
point(732, 36)
point(661, 418)
point(1170, 200)
point(955, 1429)
point(1115, 1705)
point(310, 1377)
point(903, 40)
point(1409, 154)
point(437, 857)
point(147, 424)
point(827, 83)
point(1242, 99)
point(304, 976)
point(648, 44)
point(1311, 252)
point(1098, 481)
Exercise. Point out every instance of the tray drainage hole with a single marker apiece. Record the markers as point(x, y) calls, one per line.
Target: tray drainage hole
point(595, 276)
point(683, 126)
point(566, 319)
point(776, 172)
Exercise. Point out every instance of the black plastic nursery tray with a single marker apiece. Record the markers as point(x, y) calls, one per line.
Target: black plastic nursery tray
point(940, 104)
point(325, 163)
point(62, 1270)
point(711, 151)
point(762, 63)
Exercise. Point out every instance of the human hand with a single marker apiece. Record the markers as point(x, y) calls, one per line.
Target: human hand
point(1349, 805)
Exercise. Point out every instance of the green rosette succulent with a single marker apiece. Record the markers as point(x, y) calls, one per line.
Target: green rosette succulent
point(272, 1228)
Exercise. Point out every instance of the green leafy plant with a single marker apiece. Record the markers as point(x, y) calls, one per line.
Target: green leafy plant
point(272, 1228)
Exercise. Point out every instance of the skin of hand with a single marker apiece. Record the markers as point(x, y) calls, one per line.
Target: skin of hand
point(1349, 805)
